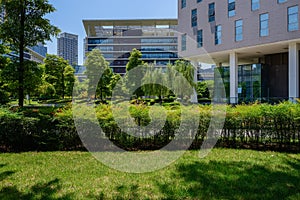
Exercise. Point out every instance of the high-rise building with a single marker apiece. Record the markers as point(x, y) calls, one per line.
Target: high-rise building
point(67, 47)
point(255, 43)
point(155, 38)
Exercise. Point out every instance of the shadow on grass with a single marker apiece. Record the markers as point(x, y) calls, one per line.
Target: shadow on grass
point(233, 180)
point(4, 175)
point(43, 191)
point(123, 192)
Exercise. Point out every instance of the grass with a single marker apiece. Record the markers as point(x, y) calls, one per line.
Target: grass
point(223, 174)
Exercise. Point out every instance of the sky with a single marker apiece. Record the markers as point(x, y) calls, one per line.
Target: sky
point(70, 13)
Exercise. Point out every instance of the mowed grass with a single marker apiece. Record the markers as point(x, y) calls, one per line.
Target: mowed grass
point(223, 174)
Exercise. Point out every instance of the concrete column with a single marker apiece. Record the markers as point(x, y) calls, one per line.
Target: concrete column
point(194, 98)
point(293, 71)
point(233, 59)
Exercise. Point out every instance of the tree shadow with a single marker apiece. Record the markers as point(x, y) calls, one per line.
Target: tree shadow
point(5, 174)
point(233, 180)
point(43, 191)
point(123, 192)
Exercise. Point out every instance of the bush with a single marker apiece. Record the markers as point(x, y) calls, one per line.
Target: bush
point(257, 126)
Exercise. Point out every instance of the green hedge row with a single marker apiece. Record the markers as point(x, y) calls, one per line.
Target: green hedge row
point(258, 126)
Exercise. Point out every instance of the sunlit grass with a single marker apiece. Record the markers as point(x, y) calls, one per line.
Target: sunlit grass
point(223, 174)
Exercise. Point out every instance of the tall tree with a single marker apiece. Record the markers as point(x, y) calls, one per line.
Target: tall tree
point(134, 80)
point(95, 65)
point(25, 25)
point(55, 70)
point(69, 80)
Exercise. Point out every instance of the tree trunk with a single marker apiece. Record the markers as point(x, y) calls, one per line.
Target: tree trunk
point(21, 56)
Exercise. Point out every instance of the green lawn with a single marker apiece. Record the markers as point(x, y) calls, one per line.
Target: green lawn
point(224, 174)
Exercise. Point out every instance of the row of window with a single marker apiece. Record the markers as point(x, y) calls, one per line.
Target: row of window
point(293, 25)
point(128, 48)
point(255, 4)
point(143, 40)
point(231, 11)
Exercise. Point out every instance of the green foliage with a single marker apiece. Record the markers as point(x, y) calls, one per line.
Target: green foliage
point(257, 126)
point(134, 59)
point(134, 80)
point(154, 76)
point(25, 25)
point(32, 77)
point(36, 27)
point(58, 77)
point(95, 65)
point(202, 90)
point(69, 80)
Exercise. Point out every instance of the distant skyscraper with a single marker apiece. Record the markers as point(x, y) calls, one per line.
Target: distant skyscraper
point(67, 47)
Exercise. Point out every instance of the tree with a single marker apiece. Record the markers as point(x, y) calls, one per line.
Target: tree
point(202, 89)
point(95, 65)
point(32, 77)
point(69, 80)
point(155, 75)
point(187, 72)
point(24, 25)
point(4, 61)
point(56, 68)
point(135, 79)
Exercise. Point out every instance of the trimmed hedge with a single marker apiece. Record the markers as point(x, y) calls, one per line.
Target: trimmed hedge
point(257, 126)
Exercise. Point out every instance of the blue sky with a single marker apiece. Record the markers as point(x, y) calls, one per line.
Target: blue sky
point(70, 13)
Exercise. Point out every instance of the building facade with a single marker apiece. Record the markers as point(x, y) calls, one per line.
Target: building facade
point(254, 43)
point(155, 38)
point(40, 49)
point(67, 47)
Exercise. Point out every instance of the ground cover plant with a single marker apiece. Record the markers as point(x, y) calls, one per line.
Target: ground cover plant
point(223, 174)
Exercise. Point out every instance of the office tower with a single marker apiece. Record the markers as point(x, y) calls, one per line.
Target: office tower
point(155, 38)
point(67, 47)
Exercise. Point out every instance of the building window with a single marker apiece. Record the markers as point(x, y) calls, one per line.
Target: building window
point(194, 18)
point(293, 23)
point(211, 12)
point(231, 8)
point(281, 1)
point(183, 42)
point(218, 34)
point(264, 24)
point(238, 30)
point(198, 1)
point(199, 38)
point(183, 3)
point(255, 5)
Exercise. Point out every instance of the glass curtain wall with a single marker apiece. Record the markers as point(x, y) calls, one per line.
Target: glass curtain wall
point(249, 83)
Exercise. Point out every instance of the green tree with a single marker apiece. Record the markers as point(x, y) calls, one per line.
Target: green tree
point(4, 61)
point(154, 75)
point(186, 69)
point(25, 25)
point(135, 79)
point(32, 77)
point(69, 80)
point(55, 71)
point(202, 89)
point(95, 65)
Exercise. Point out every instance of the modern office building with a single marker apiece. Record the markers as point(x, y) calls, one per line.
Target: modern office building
point(155, 38)
point(253, 43)
point(40, 49)
point(67, 47)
